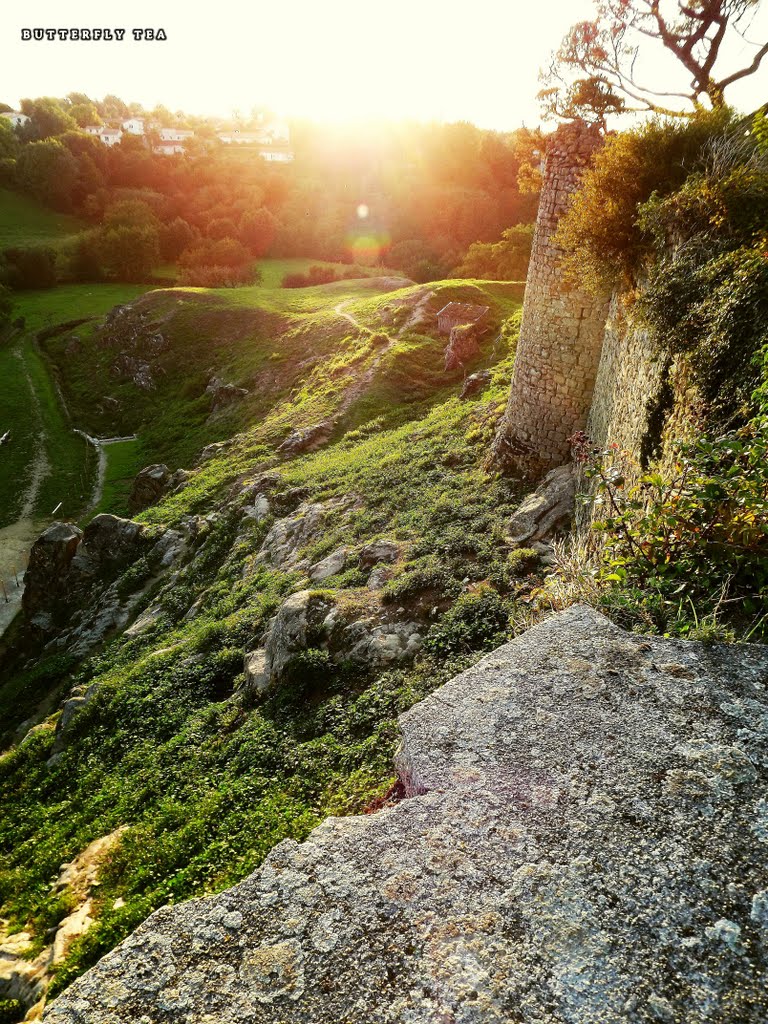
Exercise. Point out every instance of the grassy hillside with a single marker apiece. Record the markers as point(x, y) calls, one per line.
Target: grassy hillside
point(45, 464)
point(25, 222)
point(207, 778)
point(295, 352)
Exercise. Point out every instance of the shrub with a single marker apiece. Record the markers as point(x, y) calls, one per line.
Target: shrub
point(707, 295)
point(219, 277)
point(522, 561)
point(599, 232)
point(83, 259)
point(224, 252)
point(129, 252)
point(506, 260)
point(696, 534)
point(33, 267)
point(175, 237)
point(315, 275)
point(478, 621)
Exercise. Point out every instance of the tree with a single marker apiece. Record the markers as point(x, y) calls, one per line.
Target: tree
point(48, 171)
point(48, 117)
point(175, 237)
point(9, 142)
point(129, 252)
point(594, 72)
point(506, 260)
point(257, 230)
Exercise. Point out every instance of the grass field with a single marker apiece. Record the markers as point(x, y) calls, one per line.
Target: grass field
point(25, 222)
point(273, 271)
point(70, 302)
point(124, 460)
point(44, 463)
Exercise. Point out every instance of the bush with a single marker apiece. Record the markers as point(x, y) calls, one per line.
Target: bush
point(83, 260)
point(175, 237)
point(695, 535)
point(219, 277)
point(33, 267)
point(707, 295)
point(224, 252)
point(506, 260)
point(315, 275)
point(478, 621)
point(599, 232)
point(129, 253)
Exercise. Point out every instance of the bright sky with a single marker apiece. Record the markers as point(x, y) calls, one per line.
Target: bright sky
point(327, 59)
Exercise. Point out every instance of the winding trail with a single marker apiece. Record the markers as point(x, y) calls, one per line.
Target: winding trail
point(17, 538)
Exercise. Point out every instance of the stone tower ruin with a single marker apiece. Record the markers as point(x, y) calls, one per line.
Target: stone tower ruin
point(562, 329)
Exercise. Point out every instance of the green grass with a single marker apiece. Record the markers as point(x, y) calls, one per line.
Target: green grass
point(208, 781)
point(124, 460)
point(71, 302)
point(273, 271)
point(40, 437)
point(25, 222)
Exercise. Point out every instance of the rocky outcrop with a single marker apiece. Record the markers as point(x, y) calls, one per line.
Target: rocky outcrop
point(50, 559)
point(582, 841)
point(463, 345)
point(72, 596)
point(25, 975)
point(548, 511)
point(222, 395)
point(152, 483)
point(149, 485)
point(309, 619)
point(474, 383)
point(290, 534)
point(306, 439)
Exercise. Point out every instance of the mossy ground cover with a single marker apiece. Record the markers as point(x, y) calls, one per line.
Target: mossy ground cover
point(207, 779)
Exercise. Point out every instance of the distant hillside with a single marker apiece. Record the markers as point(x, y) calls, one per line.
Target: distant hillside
point(25, 222)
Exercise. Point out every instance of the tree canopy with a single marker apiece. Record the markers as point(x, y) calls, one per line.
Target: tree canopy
point(595, 72)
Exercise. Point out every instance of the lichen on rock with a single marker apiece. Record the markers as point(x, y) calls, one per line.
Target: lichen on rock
point(541, 870)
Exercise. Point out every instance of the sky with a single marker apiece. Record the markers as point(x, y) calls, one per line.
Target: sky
point(335, 60)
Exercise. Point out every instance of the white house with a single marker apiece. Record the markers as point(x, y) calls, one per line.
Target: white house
point(134, 126)
point(239, 138)
point(16, 118)
point(276, 154)
point(175, 134)
point(109, 136)
point(168, 148)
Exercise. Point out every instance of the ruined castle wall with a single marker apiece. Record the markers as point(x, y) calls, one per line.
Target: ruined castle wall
point(629, 384)
point(561, 337)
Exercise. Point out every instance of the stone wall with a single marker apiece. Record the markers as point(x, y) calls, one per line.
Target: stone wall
point(561, 337)
point(628, 394)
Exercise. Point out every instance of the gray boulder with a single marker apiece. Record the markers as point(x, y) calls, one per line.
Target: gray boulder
point(306, 439)
point(548, 510)
point(329, 566)
point(582, 842)
point(379, 551)
point(49, 560)
point(149, 485)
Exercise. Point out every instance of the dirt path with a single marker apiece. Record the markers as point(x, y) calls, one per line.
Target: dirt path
point(100, 444)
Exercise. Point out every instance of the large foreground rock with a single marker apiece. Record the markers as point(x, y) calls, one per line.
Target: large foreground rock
point(584, 841)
